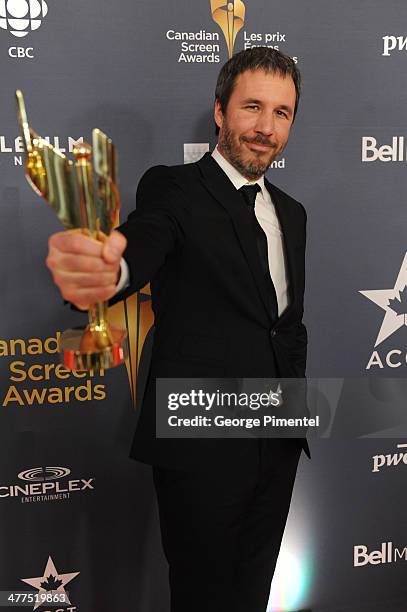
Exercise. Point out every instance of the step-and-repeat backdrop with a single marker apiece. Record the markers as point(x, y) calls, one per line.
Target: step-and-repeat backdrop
point(75, 511)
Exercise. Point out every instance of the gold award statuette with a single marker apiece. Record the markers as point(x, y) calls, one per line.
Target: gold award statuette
point(230, 17)
point(69, 189)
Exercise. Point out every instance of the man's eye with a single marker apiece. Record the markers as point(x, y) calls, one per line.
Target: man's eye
point(253, 106)
point(282, 114)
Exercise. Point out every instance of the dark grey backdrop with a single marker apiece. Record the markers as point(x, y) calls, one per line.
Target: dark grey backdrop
point(111, 65)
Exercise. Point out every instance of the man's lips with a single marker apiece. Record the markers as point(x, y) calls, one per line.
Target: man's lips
point(257, 146)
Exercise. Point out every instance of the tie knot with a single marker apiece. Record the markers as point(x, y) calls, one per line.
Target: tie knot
point(249, 193)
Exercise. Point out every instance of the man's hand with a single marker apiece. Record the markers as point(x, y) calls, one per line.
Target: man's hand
point(85, 270)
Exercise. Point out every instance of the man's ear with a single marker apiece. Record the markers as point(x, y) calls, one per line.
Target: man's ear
point(218, 114)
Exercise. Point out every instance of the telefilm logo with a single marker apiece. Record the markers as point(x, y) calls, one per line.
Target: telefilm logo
point(14, 146)
point(394, 304)
point(394, 151)
point(194, 151)
point(387, 553)
point(391, 460)
point(207, 46)
point(20, 18)
point(51, 590)
point(44, 484)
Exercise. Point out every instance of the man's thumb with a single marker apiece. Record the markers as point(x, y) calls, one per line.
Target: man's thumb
point(113, 247)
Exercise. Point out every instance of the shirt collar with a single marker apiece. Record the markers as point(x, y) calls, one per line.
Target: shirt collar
point(237, 179)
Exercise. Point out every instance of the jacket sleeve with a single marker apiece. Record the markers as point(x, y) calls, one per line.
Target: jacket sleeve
point(299, 352)
point(155, 229)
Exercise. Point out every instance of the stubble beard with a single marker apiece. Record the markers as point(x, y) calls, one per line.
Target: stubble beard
point(253, 169)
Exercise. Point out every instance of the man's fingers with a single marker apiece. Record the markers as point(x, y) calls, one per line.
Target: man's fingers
point(80, 297)
point(85, 270)
point(75, 243)
point(81, 280)
point(113, 247)
point(58, 260)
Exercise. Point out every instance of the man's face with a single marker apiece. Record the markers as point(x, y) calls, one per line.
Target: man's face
point(256, 125)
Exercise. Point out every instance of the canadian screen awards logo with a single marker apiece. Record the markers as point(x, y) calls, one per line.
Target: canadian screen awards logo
point(230, 18)
point(393, 302)
point(206, 46)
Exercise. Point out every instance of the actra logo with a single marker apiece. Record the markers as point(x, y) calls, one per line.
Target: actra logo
point(393, 303)
point(20, 17)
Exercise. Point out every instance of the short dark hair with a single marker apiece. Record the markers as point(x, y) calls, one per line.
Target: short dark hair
point(256, 58)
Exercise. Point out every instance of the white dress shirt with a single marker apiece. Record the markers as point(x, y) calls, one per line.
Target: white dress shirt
point(266, 216)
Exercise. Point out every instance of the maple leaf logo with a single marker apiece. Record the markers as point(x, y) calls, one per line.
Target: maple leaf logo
point(399, 305)
point(51, 583)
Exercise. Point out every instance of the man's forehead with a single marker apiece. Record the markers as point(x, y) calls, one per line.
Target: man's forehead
point(259, 84)
point(259, 74)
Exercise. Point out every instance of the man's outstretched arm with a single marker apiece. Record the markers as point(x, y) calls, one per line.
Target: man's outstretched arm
point(87, 271)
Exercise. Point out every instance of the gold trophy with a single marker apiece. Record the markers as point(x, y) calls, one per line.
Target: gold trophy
point(69, 189)
point(230, 17)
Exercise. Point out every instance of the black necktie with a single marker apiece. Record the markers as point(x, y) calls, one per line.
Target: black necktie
point(249, 193)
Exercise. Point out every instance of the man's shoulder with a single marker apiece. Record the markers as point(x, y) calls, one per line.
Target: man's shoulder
point(180, 173)
point(167, 187)
point(284, 196)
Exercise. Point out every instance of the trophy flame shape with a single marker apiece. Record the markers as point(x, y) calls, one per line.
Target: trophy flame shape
point(81, 204)
point(230, 18)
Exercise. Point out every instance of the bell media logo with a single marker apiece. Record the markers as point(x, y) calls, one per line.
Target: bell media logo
point(394, 304)
point(20, 17)
point(387, 553)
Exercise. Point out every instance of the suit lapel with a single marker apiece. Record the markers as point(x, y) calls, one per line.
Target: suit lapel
point(221, 188)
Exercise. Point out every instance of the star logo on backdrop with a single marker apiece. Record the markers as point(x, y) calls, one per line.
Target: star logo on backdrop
point(51, 581)
point(393, 302)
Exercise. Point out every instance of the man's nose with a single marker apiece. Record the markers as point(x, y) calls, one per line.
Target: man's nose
point(265, 123)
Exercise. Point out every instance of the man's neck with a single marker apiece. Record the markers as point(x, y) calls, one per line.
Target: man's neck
point(234, 175)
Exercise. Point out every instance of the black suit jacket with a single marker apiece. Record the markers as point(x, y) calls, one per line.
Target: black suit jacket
point(191, 237)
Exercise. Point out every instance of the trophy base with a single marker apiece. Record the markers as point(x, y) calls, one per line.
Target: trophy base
point(79, 352)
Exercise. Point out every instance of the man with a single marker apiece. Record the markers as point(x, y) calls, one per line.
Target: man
point(226, 267)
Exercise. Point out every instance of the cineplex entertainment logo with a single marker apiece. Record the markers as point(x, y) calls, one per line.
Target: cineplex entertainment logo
point(207, 46)
point(393, 302)
point(50, 588)
point(387, 553)
point(44, 484)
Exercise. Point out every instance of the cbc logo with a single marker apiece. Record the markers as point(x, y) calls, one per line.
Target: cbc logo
point(21, 16)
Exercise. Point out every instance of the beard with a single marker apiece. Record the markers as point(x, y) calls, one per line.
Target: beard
point(251, 169)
